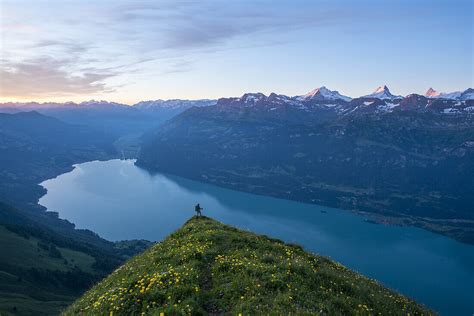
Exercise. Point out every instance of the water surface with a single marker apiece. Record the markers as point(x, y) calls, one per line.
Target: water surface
point(120, 201)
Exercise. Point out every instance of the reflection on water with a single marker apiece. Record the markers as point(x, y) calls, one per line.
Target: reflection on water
point(121, 201)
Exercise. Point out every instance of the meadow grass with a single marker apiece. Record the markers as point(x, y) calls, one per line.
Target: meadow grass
point(22, 295)
point(207, 267)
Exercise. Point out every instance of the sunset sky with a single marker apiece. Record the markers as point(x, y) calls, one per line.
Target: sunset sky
point(127, 51)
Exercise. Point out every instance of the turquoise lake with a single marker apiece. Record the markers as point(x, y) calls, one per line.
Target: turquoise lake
point(120, 201)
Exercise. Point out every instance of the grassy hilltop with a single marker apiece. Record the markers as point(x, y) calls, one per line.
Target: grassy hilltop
point(210, 268)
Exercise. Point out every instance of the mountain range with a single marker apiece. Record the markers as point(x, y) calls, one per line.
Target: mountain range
point(323, 101)
point(383, 93)
point(400, 160)
point(457, 95)
point(156, 107)
point(423, 131)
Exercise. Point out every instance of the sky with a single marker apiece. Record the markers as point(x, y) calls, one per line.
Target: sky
point(132, 50)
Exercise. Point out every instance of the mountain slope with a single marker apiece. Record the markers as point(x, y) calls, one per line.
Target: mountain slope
point(44, 270)
point(41, 277)
point(324, 93)
point(162, 110)
point(175, 104)
point(382, 93)
point(409, 166)
point(207, 267)
point(114, 119)
point(465, 95)
point(35, 147)
point(37, 273)
point(432, 93)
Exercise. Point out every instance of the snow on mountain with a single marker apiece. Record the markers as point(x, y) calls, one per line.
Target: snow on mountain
point(283, 99)
point(324, 93)
point(451, 95)
point(172, 104)
point(252, 97)
point(97, 104)
point(382, 93)
point(87, 105)
point(468, 94)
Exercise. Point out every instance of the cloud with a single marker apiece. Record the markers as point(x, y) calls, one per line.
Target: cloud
point(178, 66)
point(66, 46)
point(48, 77)
point(76, 54)
point(194, 25)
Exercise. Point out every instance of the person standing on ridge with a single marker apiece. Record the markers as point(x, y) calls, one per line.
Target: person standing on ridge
point(198, 209)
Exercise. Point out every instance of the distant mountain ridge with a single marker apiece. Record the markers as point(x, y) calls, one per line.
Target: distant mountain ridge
point(172, 104)
point(467, 94)
point(318, 94)
point(323, 100)
point(332, 102)
point(383, 93)
point(324, 93)
point(144, 106)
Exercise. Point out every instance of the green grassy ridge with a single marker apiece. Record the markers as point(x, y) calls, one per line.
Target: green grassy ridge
point(26, 253)
point(207, 267)
point(43, 271)
point(41, 275)
point(32, 277)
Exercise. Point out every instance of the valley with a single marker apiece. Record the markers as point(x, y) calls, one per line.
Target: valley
point(152, 206)
point(321, 149)
point(61, 261)
point(236, 158)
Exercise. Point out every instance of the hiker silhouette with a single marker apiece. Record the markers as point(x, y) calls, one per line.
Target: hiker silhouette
point(198, 209)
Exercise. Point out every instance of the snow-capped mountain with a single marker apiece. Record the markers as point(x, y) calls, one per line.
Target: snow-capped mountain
point(252, 97)
point(325, 94)
point(97, 103)
point(467, 94)
point(172, 104)
point(451, 95)
point(320, 100)
point(163, 110)
point(34, 106)
point(382, 93)
point(432, 93)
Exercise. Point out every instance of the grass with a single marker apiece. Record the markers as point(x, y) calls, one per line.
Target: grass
point(29, 306)
point(24, 252)
point(210, 268)
point(22, 295)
